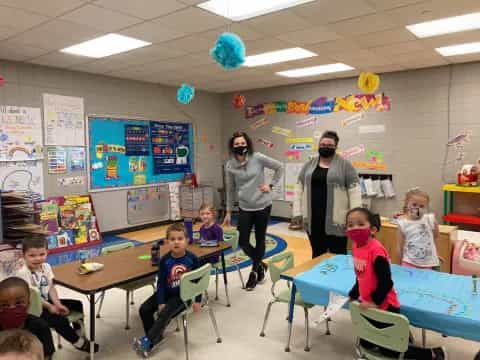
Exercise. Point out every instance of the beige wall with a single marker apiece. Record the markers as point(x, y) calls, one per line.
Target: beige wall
point(417, 127)
point(105, 95)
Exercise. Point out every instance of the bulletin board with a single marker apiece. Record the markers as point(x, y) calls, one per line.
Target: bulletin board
point(126, 153)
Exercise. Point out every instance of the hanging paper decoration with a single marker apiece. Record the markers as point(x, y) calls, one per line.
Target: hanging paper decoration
point(368, 82)
point(185, 93)
point(2, 81)
point(229, 51)
point(238, 101)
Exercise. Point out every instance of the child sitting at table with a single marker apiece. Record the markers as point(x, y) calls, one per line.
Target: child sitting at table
point(210, 230)
point(166, 302)
point(39, 275)
point(417, 234)
point(21, 345)
point(374, 285)
point(14, 303)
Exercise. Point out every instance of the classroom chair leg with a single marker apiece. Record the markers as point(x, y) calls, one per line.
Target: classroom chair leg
point(265, 319)
point(216, 284)
point(214, 323)
point(227, 295)
point(424, 338)
point(307, 329)
point(59, 341)
point(327, 324)
point(185, 334)
point(241, 277)
point(178, 325)
point(102, 296)
point(127, 312)
point(132, 302)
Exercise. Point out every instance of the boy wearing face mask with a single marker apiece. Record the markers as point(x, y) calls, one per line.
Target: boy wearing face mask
point(14, 303)
point(417, 235)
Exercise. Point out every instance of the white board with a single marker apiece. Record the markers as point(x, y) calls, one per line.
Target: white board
point(291, 176)
point(22, 175)
point(20, 133)
point(64, 120)
point(278, 192)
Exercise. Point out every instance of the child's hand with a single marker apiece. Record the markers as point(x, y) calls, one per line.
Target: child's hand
point(52, 309)
point(196, 307)
point(365, 305)
point(161, 307)
point(62, 310)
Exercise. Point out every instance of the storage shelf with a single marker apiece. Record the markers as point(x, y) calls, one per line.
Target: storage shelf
point(462, 219)
point(464, 189)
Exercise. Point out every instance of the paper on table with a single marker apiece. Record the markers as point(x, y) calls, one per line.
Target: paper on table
point(335, 303)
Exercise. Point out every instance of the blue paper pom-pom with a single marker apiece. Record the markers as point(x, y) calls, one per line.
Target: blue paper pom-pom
point(185, 93)
point(229, 51)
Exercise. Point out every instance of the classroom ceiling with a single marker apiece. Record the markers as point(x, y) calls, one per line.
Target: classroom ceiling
point(365, 34)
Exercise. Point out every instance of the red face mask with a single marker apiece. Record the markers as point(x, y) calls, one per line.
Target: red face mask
point(13, 318)
point(359, 236)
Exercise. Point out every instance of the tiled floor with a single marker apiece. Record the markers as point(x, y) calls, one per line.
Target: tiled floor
point(239, 325)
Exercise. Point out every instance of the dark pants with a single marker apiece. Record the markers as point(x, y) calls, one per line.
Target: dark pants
point(154, 329)
point(321, 242)
point(246, 221)
point(413, 352)
point(60, 322)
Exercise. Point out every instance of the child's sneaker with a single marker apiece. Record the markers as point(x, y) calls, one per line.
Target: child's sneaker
point(86, 346)
point(143, 346)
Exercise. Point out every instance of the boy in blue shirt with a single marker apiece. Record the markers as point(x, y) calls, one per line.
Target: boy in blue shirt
point(166, 302)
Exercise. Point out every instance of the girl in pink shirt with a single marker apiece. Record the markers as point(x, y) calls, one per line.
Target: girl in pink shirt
point(374, 284)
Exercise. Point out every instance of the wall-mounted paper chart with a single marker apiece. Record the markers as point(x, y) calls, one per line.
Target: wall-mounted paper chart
point(20, 133)
point(22, 176)
point(64, 120)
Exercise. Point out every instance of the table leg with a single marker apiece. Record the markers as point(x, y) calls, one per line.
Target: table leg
point(445, 204)
point(291, 307)
point(92, 325)
point(225, 281)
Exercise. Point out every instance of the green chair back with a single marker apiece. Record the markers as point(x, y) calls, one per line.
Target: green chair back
point(394, 337)
point(196, 235)
point(279, 264)
point(194, 283)
point(118, 247)
point(231, 237)
point(35, 307)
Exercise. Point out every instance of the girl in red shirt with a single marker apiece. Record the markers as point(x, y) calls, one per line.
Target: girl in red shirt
point(374, 285)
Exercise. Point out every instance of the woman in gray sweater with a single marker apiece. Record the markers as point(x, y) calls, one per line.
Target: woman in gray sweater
point(328, 187)
point(244, 179)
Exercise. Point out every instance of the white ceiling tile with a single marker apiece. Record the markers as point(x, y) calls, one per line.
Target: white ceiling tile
point(361, 59)
point(191, 2)
point(423, 56)
point(152, 32)
point(55, 35)
point(386, 68)
point(240, 29)
point(100, 18)
point(334, 47)
point(311, 35)
point(59, 59)
point(52, 8)
point(20, 19)
point(264, 45)
point(190, 44)
point(399, 48)
point(144, 9)
point(328, 11)
point(192, 20)
point(452, 39)
point(391, 4)
point(422, 63)
point(19, 52)
point(385, 37)
point(464, 58)
point(278, 23)
point(7, 31)
point(362, 25)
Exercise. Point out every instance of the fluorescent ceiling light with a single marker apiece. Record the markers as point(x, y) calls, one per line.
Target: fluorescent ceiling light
point(460, 49)
point(278, 56)
point(237, 10)
point(446, 26)
point(106, 45)
point(315, 70)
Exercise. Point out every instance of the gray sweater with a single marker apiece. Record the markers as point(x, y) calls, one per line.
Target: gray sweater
point(244, 180)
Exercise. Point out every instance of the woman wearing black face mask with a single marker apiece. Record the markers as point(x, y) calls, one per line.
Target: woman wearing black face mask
point(327, 188)
point(244, 179)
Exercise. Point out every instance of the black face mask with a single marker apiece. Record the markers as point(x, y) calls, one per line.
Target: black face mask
point(326, 152)
point(240, 150)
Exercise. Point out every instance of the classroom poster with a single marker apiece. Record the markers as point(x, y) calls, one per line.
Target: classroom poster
point(292, 170)
point(170, 148)
point(63, 117)
point(22, 176)
point(57, 160)
point(20, 133)
point(278, 190)
point(136, 140)
point(76, 159)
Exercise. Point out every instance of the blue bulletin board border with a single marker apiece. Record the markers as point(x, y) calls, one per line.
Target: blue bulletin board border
point(109, 169)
